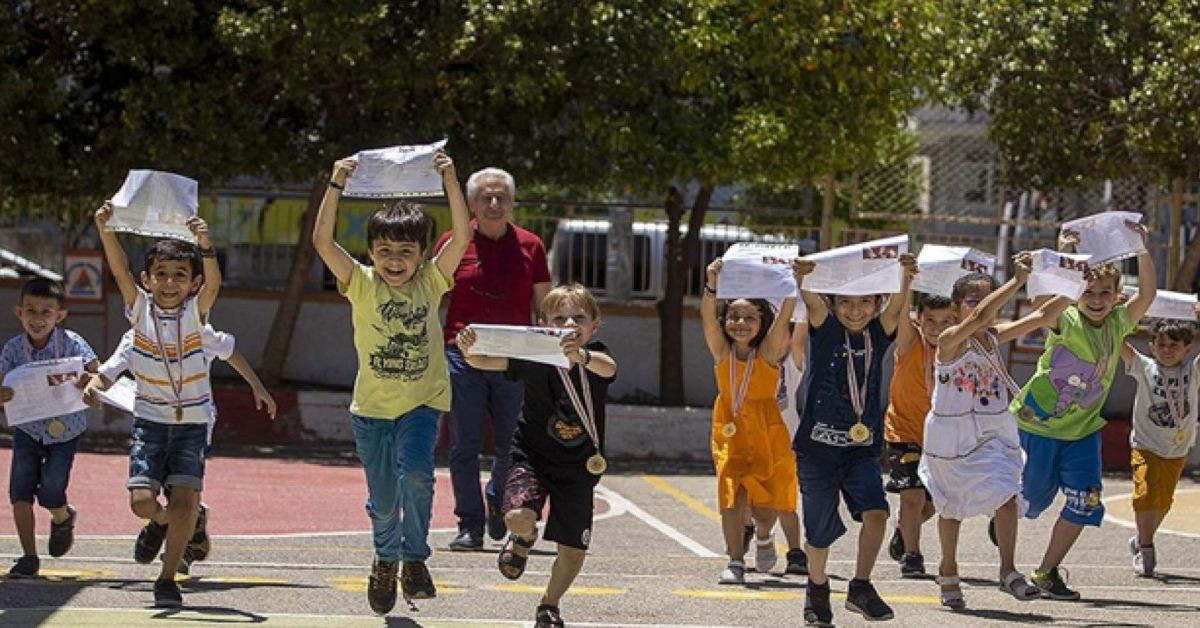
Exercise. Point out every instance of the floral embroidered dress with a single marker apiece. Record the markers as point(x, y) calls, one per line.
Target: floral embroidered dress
point(973, 458)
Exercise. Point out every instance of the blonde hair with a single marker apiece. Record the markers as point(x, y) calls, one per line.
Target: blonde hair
point(1103, 272)
point(571, 292)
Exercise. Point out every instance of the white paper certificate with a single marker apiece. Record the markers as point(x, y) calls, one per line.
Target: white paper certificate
point(395, 172)
point(121, 394)
point(1106, 237)
point(755, 270)
point(1179, 306)
point(155, 204)
point(44, 389)
point(867, 268)
point(536, 344)
point(938, 267)
point(1058, 274)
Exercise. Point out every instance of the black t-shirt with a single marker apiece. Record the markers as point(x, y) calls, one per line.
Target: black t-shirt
point(549, 430)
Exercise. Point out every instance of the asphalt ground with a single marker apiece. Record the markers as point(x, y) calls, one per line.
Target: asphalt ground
point(291, 547)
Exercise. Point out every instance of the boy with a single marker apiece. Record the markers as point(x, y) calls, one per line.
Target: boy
point(557, 444)
point(174, 398)
point(43, 451)
point(1058, 409)
point(1164, 429)
point(839, 440)
point(402, 386)
point(904, 423)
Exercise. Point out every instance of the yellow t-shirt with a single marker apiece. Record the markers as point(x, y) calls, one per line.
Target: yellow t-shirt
point(398, 340)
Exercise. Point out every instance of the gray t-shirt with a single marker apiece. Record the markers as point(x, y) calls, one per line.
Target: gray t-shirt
point(1155, 426)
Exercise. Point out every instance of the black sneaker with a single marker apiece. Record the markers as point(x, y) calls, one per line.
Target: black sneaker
point(912, 565)
point(416, 581)
point(200, 544)
point(496, 527)
point(797, 562)
point(1052, 585)
point(62, 535)
point(861, 598)
point(817, 611)
point(992, 532)
point(747, 537)
point(25, 567)
point(381, 586)
point(466, 541)
point(149, 541)
point(166, 594)
point(896, 545)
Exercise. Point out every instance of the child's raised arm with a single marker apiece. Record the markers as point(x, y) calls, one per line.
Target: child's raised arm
point(814, 303)
point(262, 398)
point(1147, 277)
point(714, 337)
point(599, 363)
point(115, 254)
point(212, 270)
point(1127, 352)
point(1045, 316)
point(800, 344)
point(465, 340)
point(775, 344)
point(335, 257)
point(951, 341)
point(448, 258)
point(897, 308)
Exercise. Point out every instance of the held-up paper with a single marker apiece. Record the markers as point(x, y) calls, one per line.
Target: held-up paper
point(1106, 237)
point(1179, 306)
point(756, 270)
point(44, 389)
point(395, 172)
point(121, 394)
point(867, 268)
point(536, 344)
point(1057, 274)
point(938, 267)
point(155, 204)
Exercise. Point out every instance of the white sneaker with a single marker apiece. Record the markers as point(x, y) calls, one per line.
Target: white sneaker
point(734, 573)
point(765, 555)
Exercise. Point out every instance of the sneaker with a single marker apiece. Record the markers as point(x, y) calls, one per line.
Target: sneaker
point(992, 532)
point(25, 567)
point(912, 565)
point(496, 528)
point(1053, 586)
point(166, 594)
point(149, 541)
point(864, 600)
point(734, 573)
point(797, 562)
point(817, 611)
point(200, 544)
point(381, 586)
point(1144, 562)
point(748, 536)
point(466, 541)
point(765, 556)
point(416, 581)
point(62, 535)
point(896, 545)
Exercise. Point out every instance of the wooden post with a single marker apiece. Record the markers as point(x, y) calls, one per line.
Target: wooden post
point(1176, 224)
point(828, 198)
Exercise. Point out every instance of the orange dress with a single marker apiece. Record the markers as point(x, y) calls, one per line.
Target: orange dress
point(758, 457)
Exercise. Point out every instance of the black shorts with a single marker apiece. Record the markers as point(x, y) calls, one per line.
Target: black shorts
point(903, 459)
point(570, 495)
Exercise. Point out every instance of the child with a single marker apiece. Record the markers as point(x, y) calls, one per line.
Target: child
point(43, 451)
point(174, 397)
point(839, 440)
point(402, 386)
point(749, 438)
point(557, 445)
point(972, 463)
point(1059, 407)
point(904, 423)
point(1164, 429)
point(791, 401)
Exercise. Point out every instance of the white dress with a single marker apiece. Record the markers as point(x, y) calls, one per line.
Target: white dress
point(972, 459)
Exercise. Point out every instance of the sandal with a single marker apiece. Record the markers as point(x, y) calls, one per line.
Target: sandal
point(511, 564)
point(548, 617)
point(1017, 586)
point(952, 600)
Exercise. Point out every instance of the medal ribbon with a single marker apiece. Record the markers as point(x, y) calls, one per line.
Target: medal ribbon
point(738, 390)
point(583, 408)
point(1102, 352)
point(1175, 398)
point(858, 393)
point(176, 388)
point(992, 355)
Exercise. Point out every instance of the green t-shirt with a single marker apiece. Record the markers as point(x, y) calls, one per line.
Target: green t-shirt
point(398, 339)
point(1064, 397)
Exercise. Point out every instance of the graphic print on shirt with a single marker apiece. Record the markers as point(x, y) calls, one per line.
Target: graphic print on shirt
point(565, 427)
point(979, 381)
point(406, 355)
point(1160, 411)
point(1077, 380)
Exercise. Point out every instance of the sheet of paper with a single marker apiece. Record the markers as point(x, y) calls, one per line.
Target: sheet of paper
point(155, 204)
point(44, 389)
point(395, 172)
point(1106, 238)
point(536, 344)
point(1059, 274)
point(799, 313)
point(756, 270)
point(1174, 305)
point(940, 266)
point(121, 394)
point(867, 268)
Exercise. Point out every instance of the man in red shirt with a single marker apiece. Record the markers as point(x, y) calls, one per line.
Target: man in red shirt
point(501, 279)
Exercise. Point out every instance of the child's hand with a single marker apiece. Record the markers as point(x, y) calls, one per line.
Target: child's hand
point(1141, 230)
point(1068, 240)
point(6, 395)
point(103, 214)
point(712, 271)
point(908, 262)
point(92, 385)
point(342, 169)
point(572, 345)
point(199, 228)
point(465, 340)
point(1022, 265)
point(444, 166)
point(802, 266)
point(263, 398)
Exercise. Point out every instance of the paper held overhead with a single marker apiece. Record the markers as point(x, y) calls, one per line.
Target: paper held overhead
point(536, 344)
point(155, 204)
point(938, 267)
point(1174, 305)
point(1057, 274)
point(395, 172)
point(858, 269)
point(1106, 237)
point(757, 270)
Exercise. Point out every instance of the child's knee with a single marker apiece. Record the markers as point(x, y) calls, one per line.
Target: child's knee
point(874, 518)
point(182, 499)
point(913, 499)
point(571, 554)
point(418, 480)
point(520, 519)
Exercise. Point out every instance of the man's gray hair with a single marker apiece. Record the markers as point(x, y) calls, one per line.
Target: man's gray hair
point(478, 176)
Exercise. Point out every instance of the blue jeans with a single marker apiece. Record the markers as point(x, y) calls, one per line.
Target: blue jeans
point(474, 393)
point(41, 470)
point(397, 458)
point(167, 455)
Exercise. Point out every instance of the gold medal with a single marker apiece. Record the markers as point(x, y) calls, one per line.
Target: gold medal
point(1180, 437)
point(596, 464)
point(729, 429)
point(859, 432)
point(178, 413)
point(56, 428)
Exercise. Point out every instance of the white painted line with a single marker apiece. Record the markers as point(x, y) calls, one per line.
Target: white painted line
point(618, 501)
point(1125, 523)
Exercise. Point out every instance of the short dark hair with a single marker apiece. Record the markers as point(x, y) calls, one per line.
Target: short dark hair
point(174, 251)
point(959, 292)
point(400, 221)
point(765, 310)
point(42, 288)
point(1179, 331)
point(932, 302)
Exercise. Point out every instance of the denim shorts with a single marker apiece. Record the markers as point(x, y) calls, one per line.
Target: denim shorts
point(167, 455)
point(829, 478)
point(40, 470)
